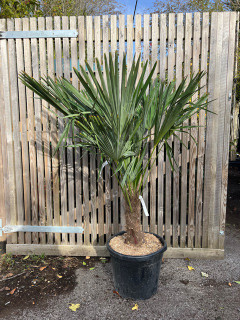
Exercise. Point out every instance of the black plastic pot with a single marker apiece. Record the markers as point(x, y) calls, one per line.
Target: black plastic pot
point(136, 277)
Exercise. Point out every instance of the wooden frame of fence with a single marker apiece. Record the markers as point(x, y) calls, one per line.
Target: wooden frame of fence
point(186, 206)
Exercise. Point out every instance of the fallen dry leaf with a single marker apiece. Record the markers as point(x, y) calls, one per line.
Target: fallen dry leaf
point(114, 291)
point(190, 268)
point(13, 290)
point(58, 275)
point(42, 268)
point(87, 257)
point(229, 283)
point(9, 275)
point(203, 274)
point(33, 302)
point(74, 307)
point(135, 307)
point(103, 260)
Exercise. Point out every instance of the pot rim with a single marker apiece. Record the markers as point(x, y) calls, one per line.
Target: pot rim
point(141, 257)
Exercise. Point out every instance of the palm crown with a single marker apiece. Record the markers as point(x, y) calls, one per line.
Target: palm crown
point(118, 116)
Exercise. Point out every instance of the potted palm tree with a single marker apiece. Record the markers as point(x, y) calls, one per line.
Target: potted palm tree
point(118, 115)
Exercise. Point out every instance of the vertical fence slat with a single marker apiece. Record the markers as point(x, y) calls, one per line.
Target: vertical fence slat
point(45, 134)
point(15, 128)
point(97, 37)
point(85, 162)
point(80, 185)
point(163, 38)
point(201, 131)
point(23, 129)
point(146, 36)
point(53, 139)
point(184, 171)
point(121, 43)
point(93, 199)
point(31, 136)
point(86, 198)
point(212, 128)
point(138, 39)
point(38, 137)
point(77, 151)
point(76, 217)
point(81, 35)
point(232, 40)
point(129, 42)
point(8, 205)
point(97, 29)
point(113, 34)
point(162, 63)
point(223, 19)
point(69, 166)
point(193, 138)
point(114, 178)
point(121, 52)
point(89, 33)
point(107, 168)
point(92, 155)
point(213, 222)
point(3, 212)
point(7, 119)
point(100, 208)
point(179, 66)
point(168, 173)
point(153, 174)
point(62, 156)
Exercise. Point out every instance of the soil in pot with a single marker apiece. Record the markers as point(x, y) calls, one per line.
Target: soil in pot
point(151, 244)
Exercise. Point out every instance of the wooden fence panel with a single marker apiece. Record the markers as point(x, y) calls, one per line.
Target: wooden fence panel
point(187, 206)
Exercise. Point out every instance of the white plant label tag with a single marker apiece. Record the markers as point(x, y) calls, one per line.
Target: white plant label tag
point(144, 206)
point(103, 165)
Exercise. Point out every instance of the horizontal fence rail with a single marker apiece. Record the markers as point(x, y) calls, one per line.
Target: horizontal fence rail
point(187, 206)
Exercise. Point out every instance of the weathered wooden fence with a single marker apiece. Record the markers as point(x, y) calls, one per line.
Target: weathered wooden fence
point(187, 206)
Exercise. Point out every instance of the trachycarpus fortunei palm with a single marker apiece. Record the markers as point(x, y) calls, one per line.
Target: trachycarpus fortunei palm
point(118, 117)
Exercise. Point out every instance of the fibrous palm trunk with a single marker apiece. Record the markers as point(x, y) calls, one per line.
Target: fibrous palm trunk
point(134, 233)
